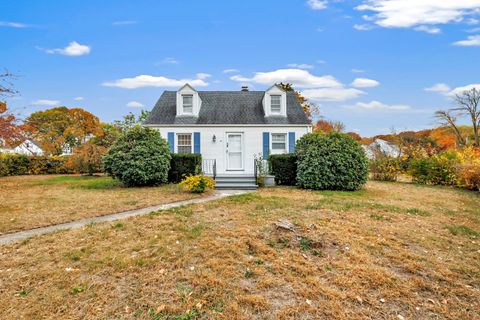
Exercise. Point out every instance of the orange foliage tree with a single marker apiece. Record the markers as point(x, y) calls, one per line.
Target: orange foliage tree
point(10, 131)
point(9, 128)
point(328, 126)
point(87, 158)
point(310, 108)
point(58, 129)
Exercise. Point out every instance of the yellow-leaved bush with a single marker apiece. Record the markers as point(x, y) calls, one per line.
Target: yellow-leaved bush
point(459, 168)
point(468, 169)
point(197, 183)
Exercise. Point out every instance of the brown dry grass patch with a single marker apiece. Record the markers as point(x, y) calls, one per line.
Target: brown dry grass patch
point(373, 254)
point(28, 202)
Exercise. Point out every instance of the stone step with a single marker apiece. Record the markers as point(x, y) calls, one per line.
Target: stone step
point(236, 186)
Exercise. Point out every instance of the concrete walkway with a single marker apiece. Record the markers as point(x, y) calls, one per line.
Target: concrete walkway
point(22, 235)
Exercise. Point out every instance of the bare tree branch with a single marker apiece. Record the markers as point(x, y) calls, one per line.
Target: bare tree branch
point(447, 119)
point(468, 103)
point(6, 86)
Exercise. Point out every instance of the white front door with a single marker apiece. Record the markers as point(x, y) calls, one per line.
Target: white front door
point(234, 151)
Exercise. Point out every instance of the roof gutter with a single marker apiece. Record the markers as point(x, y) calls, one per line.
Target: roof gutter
point(227, 125)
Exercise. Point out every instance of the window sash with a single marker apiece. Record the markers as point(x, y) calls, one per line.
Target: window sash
point(187, 103)
point(184, 144)
point(275, 104)
point(279, 141)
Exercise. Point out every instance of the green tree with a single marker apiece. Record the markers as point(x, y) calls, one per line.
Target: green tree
point(130, 120)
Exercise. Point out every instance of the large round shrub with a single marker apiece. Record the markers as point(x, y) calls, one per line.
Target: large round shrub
point(140, 157)
point(333, 161)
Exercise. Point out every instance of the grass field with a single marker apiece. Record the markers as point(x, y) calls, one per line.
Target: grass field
point(391, 251)
point(33, 201)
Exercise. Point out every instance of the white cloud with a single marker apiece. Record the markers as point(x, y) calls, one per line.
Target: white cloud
point(362, 27)
point(471, 41)
point(170, 60)
point(124, 22)
point(135, 104)
point(365, 83)
point(472, 21)
point(300, 65)
point(460, 90)
point(321, 61)
point(358, 71)
point(473, 30)
point(17, 25)
point(438, 87)
point(73, 49)
point(297, 77)
point(428, 29)
point(46, 102)
point(230, 71)
point(78, 99)
point(376, 105)
point(203, 76)
point(317, 4)
point(143, 81)
point(332, 94)
point(408, 14)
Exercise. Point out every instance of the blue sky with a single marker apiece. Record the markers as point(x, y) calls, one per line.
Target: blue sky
point(373, 64)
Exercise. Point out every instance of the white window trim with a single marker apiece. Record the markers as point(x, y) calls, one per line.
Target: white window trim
point(177, 140)
point(279, 151)
point(183, 105)
point(281, 107)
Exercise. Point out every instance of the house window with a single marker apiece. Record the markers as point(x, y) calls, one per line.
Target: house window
point(275, 104)
point(187, 103)
point(184, 143)
point(279, 142)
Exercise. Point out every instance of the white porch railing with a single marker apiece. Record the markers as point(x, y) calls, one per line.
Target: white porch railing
point(209, 167)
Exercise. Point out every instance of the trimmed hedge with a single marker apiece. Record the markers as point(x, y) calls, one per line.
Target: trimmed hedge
point(333, 161)
point(183, 165)
point(19, 164)
point(284, 168)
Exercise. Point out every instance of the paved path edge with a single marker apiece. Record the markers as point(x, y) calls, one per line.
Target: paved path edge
point(22, 235)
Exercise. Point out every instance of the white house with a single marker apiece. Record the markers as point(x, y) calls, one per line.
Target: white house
point(27, 147)
point(229, 128)
point(382, 147)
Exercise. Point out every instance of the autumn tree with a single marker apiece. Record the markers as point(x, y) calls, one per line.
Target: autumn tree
point(10, 131)
point(310, 108)
point(87, 158)
point(60, 128)
point(328, 126)
point(468, 104)
point(447, 119)
point(355, 136)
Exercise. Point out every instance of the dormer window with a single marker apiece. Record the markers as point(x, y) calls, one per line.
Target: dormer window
point(187, 100)
point(276, 104)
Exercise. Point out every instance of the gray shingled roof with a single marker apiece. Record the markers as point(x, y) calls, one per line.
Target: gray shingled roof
point(226, 107)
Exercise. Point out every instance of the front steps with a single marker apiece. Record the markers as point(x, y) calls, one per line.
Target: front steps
point(237, 182)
